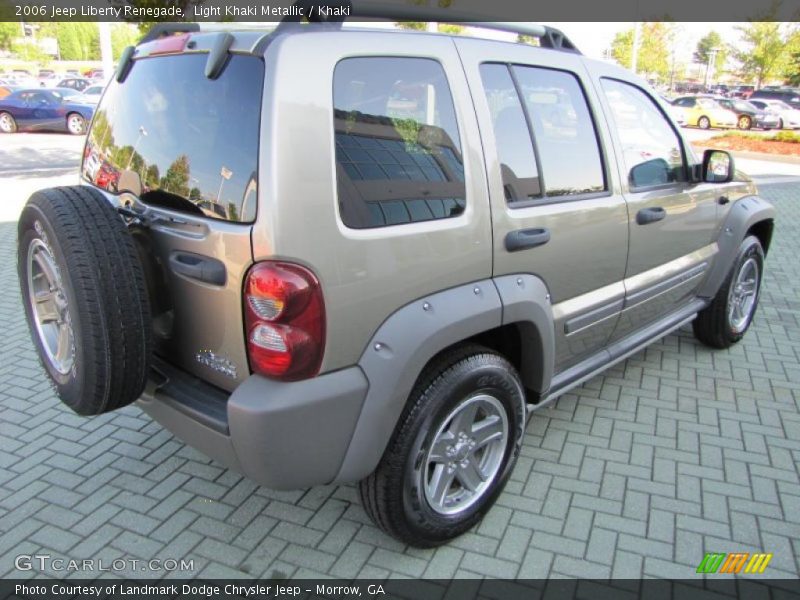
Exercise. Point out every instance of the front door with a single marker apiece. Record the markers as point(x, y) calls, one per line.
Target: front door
point(671, 220)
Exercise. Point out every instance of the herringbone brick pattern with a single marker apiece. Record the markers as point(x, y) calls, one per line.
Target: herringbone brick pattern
point(676, 452)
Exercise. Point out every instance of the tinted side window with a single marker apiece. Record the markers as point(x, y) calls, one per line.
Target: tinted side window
point(518, 165)
point(563, 130)
point(651, 148)
point(398, 155)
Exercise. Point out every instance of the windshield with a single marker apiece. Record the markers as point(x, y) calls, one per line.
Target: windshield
point(177, 139)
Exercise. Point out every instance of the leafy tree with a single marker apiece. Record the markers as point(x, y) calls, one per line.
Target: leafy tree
point(413, 25)
point(763, 54)
point(195, 195)
point(9, 31)
point(176, 180)
point(29, 51)
point(792, 72)
point(151, 177)
point(528, 39)
point(705, 47)
point(654, 54)
point(122, 36)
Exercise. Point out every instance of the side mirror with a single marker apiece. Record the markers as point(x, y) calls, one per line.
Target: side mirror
point(652, 172)
point(717, 166)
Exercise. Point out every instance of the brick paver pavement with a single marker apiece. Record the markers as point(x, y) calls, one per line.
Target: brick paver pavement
point(675, 452)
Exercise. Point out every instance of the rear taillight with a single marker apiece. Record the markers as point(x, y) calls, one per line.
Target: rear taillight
point(285, 320)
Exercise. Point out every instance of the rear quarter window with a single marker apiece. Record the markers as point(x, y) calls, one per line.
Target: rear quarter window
point(398, 153)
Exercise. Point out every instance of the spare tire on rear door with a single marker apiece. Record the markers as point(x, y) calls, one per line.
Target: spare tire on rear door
point(85, 298)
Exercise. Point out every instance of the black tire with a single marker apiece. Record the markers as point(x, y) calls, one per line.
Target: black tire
point(780, 123)
point(713, 325)
point(703, 122)
point(7, 123)
point(393, 495)
point(103, 282)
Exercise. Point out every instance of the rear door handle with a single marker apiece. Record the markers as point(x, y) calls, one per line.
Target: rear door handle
point(197, 266)
point(522, 239)
point(650, 215)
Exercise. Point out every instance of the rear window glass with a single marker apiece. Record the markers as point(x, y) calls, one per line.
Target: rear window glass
point(180, 140)
point(398, 154)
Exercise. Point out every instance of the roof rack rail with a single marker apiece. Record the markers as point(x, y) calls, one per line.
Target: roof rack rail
point(549, 37)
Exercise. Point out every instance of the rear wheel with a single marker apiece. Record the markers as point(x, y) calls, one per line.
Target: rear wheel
point(780, 123)
point(744, 122)
point(85, 298)
point(453, 450)
point(725, 321)
point(703, 122)
point(76, 124)
point(7, 123)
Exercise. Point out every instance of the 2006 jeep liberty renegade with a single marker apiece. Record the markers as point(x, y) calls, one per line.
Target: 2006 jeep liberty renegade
point(327, 255)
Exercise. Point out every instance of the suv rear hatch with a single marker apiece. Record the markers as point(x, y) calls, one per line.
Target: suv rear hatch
point(181, 149)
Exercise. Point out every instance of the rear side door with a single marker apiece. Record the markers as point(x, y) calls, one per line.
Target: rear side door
point(672, 220)
point(547, 156)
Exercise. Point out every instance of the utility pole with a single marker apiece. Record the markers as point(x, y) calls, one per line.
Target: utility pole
point(635, 52)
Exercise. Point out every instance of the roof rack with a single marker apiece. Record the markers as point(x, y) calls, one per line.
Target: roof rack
point(549, 37)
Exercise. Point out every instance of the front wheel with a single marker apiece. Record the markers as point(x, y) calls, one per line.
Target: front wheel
point(703, 123)
point(453, 450)
point(725, 321)
point(76, 124)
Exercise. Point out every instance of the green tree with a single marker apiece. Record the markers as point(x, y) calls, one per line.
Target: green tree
point(792, 70)
point(765, 49)
point(151, 177)
point(705, 47)
point(528, 39)
point(176, 180)
point(654, 54)
point(9, 31)
point(29, 51)
point(122, 36)
point(195, 195)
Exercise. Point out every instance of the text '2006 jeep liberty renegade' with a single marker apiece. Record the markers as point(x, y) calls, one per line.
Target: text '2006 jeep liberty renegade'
point(326, 255)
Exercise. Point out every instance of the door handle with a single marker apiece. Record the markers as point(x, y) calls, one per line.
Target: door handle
point(650, 215)
point(196, 266)
point(723, 200)
point(522, 239)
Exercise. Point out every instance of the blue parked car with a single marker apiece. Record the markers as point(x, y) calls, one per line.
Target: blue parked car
point(44, 110)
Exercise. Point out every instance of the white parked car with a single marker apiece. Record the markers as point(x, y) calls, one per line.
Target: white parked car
point(92, 94)
point(789, 117)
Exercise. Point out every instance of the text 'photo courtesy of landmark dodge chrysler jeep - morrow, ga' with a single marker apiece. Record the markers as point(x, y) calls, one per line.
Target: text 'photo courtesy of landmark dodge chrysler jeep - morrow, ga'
point(325, 255)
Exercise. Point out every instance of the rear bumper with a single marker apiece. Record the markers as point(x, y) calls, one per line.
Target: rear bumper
point(281, 435)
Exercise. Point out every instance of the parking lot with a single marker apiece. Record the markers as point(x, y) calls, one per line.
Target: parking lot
point(676, 452)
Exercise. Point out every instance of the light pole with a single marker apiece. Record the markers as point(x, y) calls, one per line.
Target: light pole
point(712, 54)
point(225, 174)
point(142, 133)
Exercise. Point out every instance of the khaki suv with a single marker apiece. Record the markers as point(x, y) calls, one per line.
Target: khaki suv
point(325, 255)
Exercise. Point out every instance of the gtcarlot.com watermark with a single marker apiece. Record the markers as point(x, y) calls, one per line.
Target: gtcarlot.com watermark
point(48, 563)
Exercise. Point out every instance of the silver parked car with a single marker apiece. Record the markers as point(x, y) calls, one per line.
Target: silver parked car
point(377, 272)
